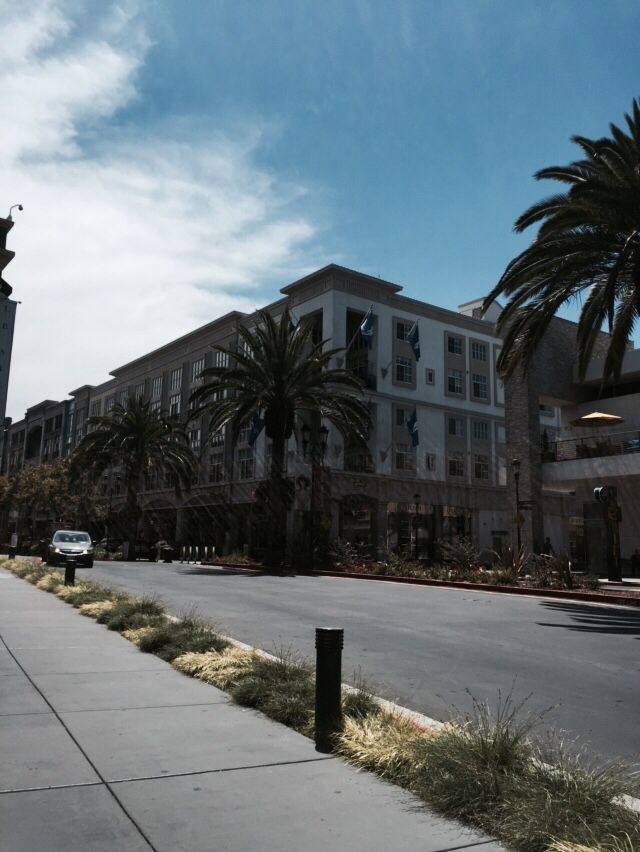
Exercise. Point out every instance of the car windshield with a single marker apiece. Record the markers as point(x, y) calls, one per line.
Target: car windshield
point(72, 537)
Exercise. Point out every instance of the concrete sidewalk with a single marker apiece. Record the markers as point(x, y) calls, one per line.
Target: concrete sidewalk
point(106, 749)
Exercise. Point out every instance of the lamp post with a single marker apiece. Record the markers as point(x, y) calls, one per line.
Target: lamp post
point(416, 500)
point(515, 466)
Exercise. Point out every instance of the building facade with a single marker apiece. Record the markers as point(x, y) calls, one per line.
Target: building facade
point(406, 489)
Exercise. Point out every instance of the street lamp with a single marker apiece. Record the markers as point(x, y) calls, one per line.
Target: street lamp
point(515, 466)
point(416, 500)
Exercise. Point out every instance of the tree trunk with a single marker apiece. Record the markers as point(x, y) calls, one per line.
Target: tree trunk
point(132, 511)
point(276, 514)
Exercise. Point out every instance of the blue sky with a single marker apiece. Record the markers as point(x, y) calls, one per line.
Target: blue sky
point(176, 160)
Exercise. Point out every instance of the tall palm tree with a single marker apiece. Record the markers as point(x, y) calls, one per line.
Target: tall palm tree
point(281, 375)
point(137, 441)
point(588, 244)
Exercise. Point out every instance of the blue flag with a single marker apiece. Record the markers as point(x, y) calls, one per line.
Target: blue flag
point(414, 339)
point(256, 426)
point(412, 426)
point(366, 327)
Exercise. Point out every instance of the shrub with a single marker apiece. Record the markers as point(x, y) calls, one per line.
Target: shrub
point(341, 551)
point(511, 561)
point(282, 689)
point(459, 553)
point(359, 704)
point(385, 744)
point(569, 801)
point(590, 582)
point(95, 610)
point(468, 766)
point(222, 670)
point(86, 592)
point(51, 582)
point(174, 638)
point(129, 614)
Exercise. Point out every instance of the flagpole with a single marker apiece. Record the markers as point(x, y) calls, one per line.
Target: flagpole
point(358, 329)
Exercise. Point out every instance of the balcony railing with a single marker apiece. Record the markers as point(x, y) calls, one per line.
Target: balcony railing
point(358, 363)
point(591, 447)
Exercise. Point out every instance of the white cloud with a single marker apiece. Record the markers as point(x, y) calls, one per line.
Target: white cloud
point(126, 243)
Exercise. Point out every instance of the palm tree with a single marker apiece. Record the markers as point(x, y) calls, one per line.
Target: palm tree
point(279, 374)
point(136, 440)
point(588, 243)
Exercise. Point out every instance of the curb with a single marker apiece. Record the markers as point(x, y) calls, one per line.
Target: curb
point(528, 591)
point(562, 594)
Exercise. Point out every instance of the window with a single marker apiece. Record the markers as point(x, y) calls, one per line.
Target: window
point(216, 467)
point(174, 405)
point(403, 329)
point(405, 459)
point(176, 380)
point(196, 368)
point(480, 430)
point(217, 437)
point(430, 376)
point(430, 461)
point(454, 381)
point(58, 421)
point(194, 440)
point(454, 345)
point(221, 359)
point(500, 435)
point(400, 417)
point(48, 425)
point(96, 408)
point(478, 351)
point(139, 391)
point(456, 464)
point(479, 387)
point(243, 435)
point(246, 463)
point(547, 410)
point(481, 466)
point(404, 370)
point(156, 387)
point(154, 407)
point(456, 427)
point(111, 401)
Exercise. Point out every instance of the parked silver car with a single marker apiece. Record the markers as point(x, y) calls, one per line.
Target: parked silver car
point(70, 545)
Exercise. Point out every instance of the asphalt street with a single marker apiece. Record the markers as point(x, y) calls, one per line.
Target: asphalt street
point(430, 649)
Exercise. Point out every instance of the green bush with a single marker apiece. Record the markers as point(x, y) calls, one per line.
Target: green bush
point(171, 639)
point(129, 614)
point(569, 801)
point(282, 689)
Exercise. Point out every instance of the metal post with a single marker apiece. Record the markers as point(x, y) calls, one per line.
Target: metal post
point(329, 643)
point(69, 573)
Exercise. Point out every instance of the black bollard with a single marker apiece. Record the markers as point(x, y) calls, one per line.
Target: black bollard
point(329, 643)
point(70, 573)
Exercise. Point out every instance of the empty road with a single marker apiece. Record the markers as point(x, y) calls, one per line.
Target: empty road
point(430, 648)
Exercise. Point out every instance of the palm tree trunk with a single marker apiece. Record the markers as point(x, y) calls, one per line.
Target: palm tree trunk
point(277, 509)
point(132, 513)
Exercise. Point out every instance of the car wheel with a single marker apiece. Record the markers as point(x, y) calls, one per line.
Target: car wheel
point(90, 563)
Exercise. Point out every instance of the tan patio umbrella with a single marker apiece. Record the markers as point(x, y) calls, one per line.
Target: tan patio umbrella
point(597, 419)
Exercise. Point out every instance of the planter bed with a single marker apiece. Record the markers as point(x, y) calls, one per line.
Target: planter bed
point(570, 594)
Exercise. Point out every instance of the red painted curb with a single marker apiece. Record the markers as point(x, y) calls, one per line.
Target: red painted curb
point(561, 594)
point(591, 597)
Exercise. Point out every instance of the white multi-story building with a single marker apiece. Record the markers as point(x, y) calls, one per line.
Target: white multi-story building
point(387, 493)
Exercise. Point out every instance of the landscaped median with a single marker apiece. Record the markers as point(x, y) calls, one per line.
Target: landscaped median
point(488, 770)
